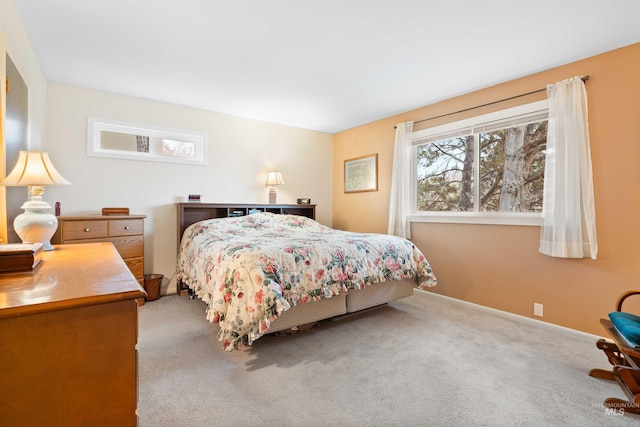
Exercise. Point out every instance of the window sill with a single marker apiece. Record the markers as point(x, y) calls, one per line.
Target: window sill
point(527, 219)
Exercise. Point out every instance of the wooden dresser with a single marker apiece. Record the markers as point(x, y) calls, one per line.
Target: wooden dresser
point(68, 334)
point(126, 232)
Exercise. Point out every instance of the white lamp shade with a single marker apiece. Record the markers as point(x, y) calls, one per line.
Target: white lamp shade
point(34, 168)
point(274, 178)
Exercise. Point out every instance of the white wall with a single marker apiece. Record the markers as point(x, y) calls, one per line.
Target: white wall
point(14, 43)
point(240, 151)
point(19, 49)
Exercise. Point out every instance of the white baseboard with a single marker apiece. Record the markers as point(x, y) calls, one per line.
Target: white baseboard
point(508, 314)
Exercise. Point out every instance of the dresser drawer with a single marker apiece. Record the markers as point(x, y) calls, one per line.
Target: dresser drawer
point(126, 232)
point(125, 227)
point(128, 247)
point(136, 265)
point(82, 230)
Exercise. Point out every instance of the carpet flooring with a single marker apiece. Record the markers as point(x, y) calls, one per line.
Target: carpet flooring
point(424, 360)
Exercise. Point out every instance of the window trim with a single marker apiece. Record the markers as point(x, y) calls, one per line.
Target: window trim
point(95, 148)
point(489, 218)
point(476, 217)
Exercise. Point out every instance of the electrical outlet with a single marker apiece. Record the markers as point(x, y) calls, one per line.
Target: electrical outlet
point(537, 309)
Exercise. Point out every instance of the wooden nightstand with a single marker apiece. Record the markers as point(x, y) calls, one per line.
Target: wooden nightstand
point(126, 232)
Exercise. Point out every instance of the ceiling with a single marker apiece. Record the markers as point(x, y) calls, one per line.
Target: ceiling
point(325, 65)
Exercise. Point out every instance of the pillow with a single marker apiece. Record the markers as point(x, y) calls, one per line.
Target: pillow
point(628, 325)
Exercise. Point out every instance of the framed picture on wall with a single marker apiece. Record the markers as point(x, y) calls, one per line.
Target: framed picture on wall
point(361, 174)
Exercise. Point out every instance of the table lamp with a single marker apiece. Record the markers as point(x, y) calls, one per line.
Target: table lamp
point(273, 178)
point(35, 170)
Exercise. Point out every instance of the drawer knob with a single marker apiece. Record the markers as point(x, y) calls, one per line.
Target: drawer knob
point(127, 227)
point(86, 229)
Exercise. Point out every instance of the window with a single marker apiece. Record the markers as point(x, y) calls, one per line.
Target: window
point(487, 169)
point(121, 140)
point(171, 147)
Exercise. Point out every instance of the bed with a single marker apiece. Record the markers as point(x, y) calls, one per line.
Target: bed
point(266, 272)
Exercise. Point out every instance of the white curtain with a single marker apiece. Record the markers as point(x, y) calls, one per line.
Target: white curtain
point(400, 200)
point(569, 228)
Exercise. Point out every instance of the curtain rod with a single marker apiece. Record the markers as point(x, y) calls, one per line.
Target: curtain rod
point(584, 79)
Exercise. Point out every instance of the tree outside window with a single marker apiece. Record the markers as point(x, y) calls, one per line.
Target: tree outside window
point(497, 167)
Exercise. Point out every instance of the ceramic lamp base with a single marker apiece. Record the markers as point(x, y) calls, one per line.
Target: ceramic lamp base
point(36, 225)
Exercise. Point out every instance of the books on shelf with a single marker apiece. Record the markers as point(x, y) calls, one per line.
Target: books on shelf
point(20, 257)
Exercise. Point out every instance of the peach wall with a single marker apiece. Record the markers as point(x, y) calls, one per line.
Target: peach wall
point(499, 266)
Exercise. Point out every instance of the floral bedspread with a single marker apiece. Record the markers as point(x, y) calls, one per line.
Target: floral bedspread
point(250, 269)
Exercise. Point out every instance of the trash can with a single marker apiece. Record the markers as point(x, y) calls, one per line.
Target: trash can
point(152, 284)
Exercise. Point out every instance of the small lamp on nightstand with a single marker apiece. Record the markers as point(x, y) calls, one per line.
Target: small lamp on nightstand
point(35, 170)
point(273, 178)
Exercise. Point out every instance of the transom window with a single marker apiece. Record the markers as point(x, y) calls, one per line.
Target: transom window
point(489, 168)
